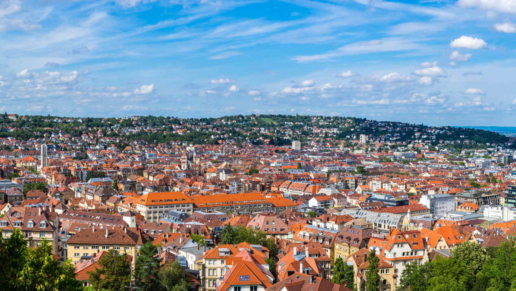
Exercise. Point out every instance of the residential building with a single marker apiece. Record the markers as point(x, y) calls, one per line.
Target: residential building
point(439, 204)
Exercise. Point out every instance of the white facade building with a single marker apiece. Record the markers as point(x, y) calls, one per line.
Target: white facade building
point(296, 145)
point(503, 212)
point(439, 204)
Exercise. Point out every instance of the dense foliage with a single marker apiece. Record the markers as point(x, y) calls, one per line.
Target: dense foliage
point(470, 267)
point(24, 268)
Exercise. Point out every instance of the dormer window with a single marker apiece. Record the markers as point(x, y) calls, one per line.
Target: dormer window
point(3, 223)
point(43, 224)
point(30, 223)
point(17, 223)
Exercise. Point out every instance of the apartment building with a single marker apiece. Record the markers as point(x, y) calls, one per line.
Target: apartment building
point(90, 241)
point(216, 262)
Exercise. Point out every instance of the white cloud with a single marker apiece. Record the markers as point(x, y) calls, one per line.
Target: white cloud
point(505, 27)
point(254, 93)
point(429, 64)
point(132, 3)
point(294, 90)
point(346, 74)
point(431, 72)
point(24, 74)
point(474, 91)
point(395, 77)
point(504, 6)
point(383, 101)
point(458, 57)
point(221, 81)
point(133, 108)
point(233, 88)
point(307, 83)
point(144, 89)
point(225, 55)
point(468, 42)
point(326, 86)
point(426, 80)
point(392, 44)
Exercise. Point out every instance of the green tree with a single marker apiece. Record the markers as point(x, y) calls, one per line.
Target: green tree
point(372, 276)
point(42, 272)
point(13, 175)
point(272, 266)
point(228, 234)
point(474, 184)
point(338, 272)
point(361, 170)
point(450, 274)
point(115, 185)
point(35, 186)
point(114, 272)
point(311, 214)
point(174, 278)
point(474, 255)
point(500, 273)
point(147, 268)
point(199, 238)
point(415, 277)
point(253, 170)
point(349, 276)
point(12, 257)
point(299, 165)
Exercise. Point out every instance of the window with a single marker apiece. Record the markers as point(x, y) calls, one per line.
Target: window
point(76, 247)
point(95, 247)
point(42, 224)
point(42, 234)
point(105, 247)
point(85, 247)
point(85, 254)
point(117, 248)
point(76, 255)
point(237, 288)
point(254, 288)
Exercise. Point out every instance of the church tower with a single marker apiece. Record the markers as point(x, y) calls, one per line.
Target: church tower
point(184, 160)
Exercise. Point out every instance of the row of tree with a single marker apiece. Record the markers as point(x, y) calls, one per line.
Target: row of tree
point(114, 272)
point(470, 268)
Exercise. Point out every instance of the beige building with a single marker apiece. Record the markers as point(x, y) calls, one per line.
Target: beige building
point(153, 206)
point(90, 241)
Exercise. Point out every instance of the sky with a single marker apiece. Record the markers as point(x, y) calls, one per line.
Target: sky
point(435, 62)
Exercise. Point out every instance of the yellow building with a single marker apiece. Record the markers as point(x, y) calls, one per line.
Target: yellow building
point(385, 270)
point(90, 241)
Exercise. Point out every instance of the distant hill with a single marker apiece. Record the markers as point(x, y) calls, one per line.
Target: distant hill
point(257, 129)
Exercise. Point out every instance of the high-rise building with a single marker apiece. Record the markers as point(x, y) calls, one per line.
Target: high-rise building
point(363, 138)
point(510, 196)
point(296, 145)
point(44, 156)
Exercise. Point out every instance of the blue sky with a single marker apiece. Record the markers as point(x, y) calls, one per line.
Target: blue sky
point(434, 62)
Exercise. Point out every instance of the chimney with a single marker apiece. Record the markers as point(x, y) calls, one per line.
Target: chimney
point(301, 267)
point(107, 232)
point(307, 253)
point(295, 251)
point(92, 229)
